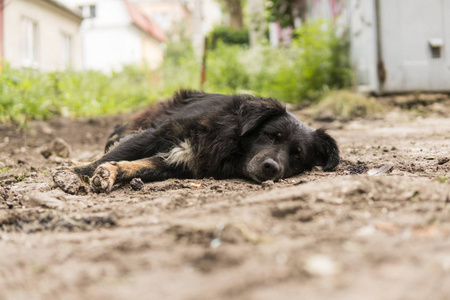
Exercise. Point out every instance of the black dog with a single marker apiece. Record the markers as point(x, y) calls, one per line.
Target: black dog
point(196, 135)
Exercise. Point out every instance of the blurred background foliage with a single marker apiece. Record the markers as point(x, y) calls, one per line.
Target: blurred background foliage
point(314, 63)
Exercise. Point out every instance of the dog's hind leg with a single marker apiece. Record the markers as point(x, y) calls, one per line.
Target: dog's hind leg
point(149, 169)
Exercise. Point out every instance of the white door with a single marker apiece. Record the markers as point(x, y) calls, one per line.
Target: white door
point(415, 44)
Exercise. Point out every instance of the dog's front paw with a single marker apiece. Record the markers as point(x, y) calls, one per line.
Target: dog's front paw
point(104, 178)
point(67, 180)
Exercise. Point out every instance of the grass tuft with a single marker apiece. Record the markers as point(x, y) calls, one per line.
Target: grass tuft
point(345, 104)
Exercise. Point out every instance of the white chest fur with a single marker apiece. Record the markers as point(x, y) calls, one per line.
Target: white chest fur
point(181, 155)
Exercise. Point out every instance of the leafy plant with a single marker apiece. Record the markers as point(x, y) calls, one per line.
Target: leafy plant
point(322, 62)
point(225, 71)
point(6, 170)
point(228, 36)
point(317, 61)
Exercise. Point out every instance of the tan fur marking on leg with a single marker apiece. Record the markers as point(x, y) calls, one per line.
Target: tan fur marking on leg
point(129, 169)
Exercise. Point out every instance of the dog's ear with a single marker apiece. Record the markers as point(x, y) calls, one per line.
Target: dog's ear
point(253, 113)
point(326, 150)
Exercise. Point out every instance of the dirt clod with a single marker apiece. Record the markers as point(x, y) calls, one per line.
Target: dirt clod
point(67, 181)
point(137, 184)
point(57, 147)
point(267, 184)
point(360, 168)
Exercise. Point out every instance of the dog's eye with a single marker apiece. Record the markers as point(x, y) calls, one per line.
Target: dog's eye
point(296, 153)
point(274, 137)
point(270, 136)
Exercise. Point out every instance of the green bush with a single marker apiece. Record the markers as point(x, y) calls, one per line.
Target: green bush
point(228, 36)
point(225, 71)
point(316, 61)
point(320, 63)
point(181, 67)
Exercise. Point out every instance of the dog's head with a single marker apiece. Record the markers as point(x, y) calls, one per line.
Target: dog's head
point(278, 145)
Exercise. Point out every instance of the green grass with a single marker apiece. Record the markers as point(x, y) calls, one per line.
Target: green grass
point(27, 95)
point(6, 170)
point(346, 104)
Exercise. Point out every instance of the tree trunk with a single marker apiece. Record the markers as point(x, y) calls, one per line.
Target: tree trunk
point(234, 8)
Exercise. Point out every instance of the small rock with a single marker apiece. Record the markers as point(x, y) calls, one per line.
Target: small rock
point(366, 231)
point(267, 183)
point(60, 148)
point(215, 243)
point(137, 184)
point(321, 265)
point(358, 168)
point(443, 160)
point(300, 182)
point(46, 152)
point(57, 147)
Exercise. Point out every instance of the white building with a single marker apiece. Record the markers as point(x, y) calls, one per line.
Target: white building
point(116, 33)
point(40, 34)
point(396, 46)
point(195, 17)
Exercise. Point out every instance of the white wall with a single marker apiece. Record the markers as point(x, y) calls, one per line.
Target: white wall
point(406, 28)
point(111, 40)
point(109, 48)
point(363, 47)
point(52, 23)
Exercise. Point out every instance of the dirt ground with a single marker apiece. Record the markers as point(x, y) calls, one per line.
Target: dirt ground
point(376, 228)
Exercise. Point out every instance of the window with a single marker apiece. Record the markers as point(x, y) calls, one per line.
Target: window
point(66, 51)
point(88, 11)
point(29, 43)
point(92, 11)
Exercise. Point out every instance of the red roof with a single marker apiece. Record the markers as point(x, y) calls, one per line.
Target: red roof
point(144, 23)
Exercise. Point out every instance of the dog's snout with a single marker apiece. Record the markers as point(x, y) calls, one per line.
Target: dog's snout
point(271, 168)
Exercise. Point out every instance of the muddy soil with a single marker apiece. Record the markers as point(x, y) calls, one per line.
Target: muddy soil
point(378, 227)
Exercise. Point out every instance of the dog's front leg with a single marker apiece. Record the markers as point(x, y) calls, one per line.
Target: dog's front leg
point(149, 169)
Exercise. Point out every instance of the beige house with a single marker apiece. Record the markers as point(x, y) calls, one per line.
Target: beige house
point(40, 34)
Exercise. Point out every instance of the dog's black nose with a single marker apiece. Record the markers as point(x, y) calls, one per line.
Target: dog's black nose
point(270, 168)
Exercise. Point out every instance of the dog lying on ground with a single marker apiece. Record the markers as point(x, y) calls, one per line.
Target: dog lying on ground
point(197, 135)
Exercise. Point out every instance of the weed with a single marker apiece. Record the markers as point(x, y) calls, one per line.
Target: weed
point(345, 104)
point(443, 179)
point(6, 170)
